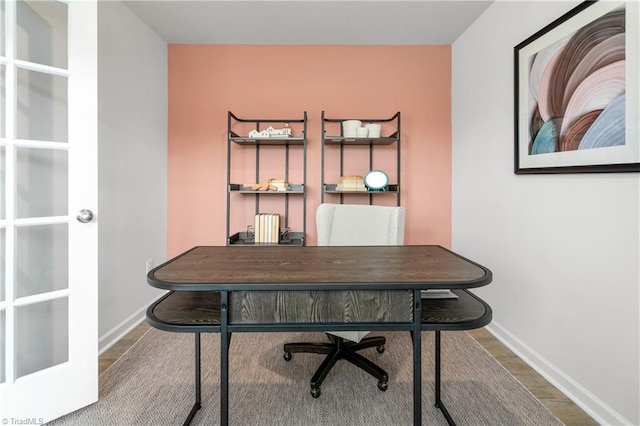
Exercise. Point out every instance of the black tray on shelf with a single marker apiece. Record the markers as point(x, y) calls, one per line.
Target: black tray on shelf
point(341, 140)
point(293, 189)
point(331, 188)
point(245, 239)
point(245, 140)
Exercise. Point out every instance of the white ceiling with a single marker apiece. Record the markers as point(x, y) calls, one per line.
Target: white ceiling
point(328, 22)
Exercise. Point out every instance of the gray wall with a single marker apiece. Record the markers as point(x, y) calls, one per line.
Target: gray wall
point(132, 150)
point(564, 249)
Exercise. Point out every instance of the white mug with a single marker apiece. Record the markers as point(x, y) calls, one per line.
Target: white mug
point(349, 128)
point(362, 132)
point(374, 130)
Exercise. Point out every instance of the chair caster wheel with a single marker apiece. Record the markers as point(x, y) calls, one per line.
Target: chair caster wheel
point(380, 349)
point(315, 392)
point(383, 386)
point(287, 356)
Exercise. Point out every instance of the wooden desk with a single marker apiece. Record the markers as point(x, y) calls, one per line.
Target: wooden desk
point(229, 274)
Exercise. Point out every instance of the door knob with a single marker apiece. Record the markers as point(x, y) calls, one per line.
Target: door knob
point(84, 216)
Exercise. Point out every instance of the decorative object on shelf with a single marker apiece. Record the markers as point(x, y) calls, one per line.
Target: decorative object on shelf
point(362, 132)
point(262, 186)
point(266, 228)
point(373, 130)
point(350, 128)
point(576, 109)
point(284, 235)
point(351, 183)
point(279, 184)
point(270, 132)
point(267, 185)
point(250, 235)
point(376, 180)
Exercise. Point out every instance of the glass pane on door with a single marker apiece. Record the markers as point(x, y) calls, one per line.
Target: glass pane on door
point(3, 233)
point(3, 210)
point(3, 96)
point(42, 182)
point(3, 323)
point(2, 36)
point(42, 338)
point(42, 259)
point(42, 112)
point(42, 32)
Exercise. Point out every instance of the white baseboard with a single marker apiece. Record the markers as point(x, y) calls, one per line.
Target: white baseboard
point(592, 405)
point(119, 331)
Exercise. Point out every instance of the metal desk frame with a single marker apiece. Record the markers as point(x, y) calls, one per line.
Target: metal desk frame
point(217, 320)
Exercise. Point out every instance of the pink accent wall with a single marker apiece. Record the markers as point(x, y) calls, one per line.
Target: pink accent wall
point(206, 81)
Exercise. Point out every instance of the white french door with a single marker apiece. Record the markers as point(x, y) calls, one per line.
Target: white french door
point(48, 173)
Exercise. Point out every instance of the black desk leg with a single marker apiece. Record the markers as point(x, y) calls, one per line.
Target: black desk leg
point(197, 404)
point(224, 359)
point(417, 359)
point(439, 403)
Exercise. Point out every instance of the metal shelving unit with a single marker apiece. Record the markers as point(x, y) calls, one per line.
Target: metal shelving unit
point(287, 237)
point(333, 138)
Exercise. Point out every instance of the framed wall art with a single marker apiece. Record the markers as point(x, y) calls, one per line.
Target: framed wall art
point(577, 85)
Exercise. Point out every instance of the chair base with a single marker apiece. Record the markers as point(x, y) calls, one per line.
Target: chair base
point(339, 348)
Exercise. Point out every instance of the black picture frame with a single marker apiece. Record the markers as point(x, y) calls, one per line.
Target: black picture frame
point(576, 93)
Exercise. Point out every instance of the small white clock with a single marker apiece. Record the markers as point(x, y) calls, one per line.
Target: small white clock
point(376, 180)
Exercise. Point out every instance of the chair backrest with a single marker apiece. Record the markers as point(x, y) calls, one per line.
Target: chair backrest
point(359, 225)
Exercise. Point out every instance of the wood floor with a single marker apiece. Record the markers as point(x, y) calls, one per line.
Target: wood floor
point(561, 406)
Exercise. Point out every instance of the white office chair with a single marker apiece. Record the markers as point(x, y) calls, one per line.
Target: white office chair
point(352, 225)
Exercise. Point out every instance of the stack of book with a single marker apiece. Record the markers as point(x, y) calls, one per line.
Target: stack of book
point(351, 183)
point(279, 184)
point(266, 227)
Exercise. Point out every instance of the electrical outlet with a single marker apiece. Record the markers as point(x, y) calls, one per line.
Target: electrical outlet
point(149, 265)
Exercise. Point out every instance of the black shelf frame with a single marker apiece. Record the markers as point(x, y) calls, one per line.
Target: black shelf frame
point(205, 312)
point(295, 190)
point(340, 142)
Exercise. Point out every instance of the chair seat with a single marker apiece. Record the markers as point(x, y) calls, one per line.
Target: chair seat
point(338, 348)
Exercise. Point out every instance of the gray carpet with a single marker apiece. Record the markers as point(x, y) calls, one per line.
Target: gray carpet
point(153, 384)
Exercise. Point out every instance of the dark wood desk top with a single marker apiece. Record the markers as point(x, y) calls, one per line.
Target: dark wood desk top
point(217, 268)
point(227, 271)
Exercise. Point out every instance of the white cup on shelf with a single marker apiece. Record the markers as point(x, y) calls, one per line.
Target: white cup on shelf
point(374, 130)
point(362, 132)
point(349, 128)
